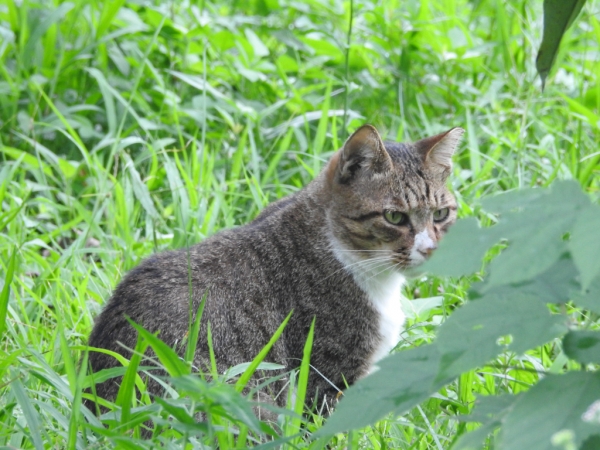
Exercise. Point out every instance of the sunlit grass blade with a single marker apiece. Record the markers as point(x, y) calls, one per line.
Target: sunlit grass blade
point(166, 355)
point(5, 293)
point(294, 426)
point(126, 394)
point(245, 377)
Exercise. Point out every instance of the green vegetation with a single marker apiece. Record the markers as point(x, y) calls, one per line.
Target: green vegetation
point(127, 128)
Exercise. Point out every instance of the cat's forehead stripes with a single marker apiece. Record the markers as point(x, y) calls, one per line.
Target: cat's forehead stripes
point(414, 188)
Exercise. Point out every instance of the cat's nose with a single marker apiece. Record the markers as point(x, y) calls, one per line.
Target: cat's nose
point(426, 252)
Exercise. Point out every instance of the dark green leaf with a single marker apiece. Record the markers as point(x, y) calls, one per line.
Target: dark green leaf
point(589, 297)
point(558, 284)
point(582, 346)
point(534, 231)
point(466, 233)
point(402, 381)
point(558, 16)
point(585, 245)
point(470, 336)
point(557, 404)
point(592, 443)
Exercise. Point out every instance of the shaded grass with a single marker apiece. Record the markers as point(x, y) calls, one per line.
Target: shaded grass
point(126, 129)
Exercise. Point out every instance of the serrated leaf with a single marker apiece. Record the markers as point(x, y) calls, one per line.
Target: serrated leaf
point(469, 337)
point(590, 297)
point(465, 233)
point(534, 419)
point(558, 284)
point(582, 346)
point(401, 381)
point(585, 245)
point(558, 16)
point(534, 230)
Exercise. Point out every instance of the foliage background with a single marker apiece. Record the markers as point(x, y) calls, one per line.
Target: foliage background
point(128, 127)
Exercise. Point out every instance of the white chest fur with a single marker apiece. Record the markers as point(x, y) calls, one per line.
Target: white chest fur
point(383, 287)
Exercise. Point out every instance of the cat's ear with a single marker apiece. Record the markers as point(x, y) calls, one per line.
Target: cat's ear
point(437, 150)
point(363, 151)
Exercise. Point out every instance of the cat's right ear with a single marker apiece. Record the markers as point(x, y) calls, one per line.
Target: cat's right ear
point(364, 151)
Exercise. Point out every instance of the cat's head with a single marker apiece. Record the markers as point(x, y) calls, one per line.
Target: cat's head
point(388, 202)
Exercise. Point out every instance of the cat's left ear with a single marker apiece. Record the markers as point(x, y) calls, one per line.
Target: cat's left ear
point(437, 150)
point(364, 152)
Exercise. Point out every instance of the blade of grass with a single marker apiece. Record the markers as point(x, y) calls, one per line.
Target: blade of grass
point(32, 417)
point(167, 356)
point(295, 422)
point(243, 380)
point(5, 294)
point(125, 396)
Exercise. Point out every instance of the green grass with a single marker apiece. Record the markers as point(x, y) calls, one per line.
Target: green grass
point(127, 128)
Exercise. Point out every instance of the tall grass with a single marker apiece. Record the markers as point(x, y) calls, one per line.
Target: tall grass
point(127, 128)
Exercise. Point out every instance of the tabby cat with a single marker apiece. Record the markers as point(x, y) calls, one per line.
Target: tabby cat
point(336, 250)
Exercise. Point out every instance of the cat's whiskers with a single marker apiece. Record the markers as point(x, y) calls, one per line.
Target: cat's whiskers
point(386, 268)
point(365, 262)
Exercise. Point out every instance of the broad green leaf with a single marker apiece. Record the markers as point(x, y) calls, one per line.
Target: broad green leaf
point(534, 230)
point(469, 338)
point(465, 233)
point(592, 443)
point(558, 284)
point(558, 16)
point(585, 244)
point(533, 221)
point(589, 297)
point(582, 346)
point(556, 404)
point(401, 381)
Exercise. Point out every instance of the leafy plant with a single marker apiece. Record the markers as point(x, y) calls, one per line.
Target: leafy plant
point(130, 127)
point(551, 257)
point(558, 17)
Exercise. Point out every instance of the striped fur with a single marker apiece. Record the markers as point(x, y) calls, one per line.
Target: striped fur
point(329, 251)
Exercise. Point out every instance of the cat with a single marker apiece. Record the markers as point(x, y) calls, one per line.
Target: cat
point(337, 251)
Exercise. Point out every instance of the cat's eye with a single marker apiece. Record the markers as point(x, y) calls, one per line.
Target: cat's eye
point(395, 217)
point(441, 214)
